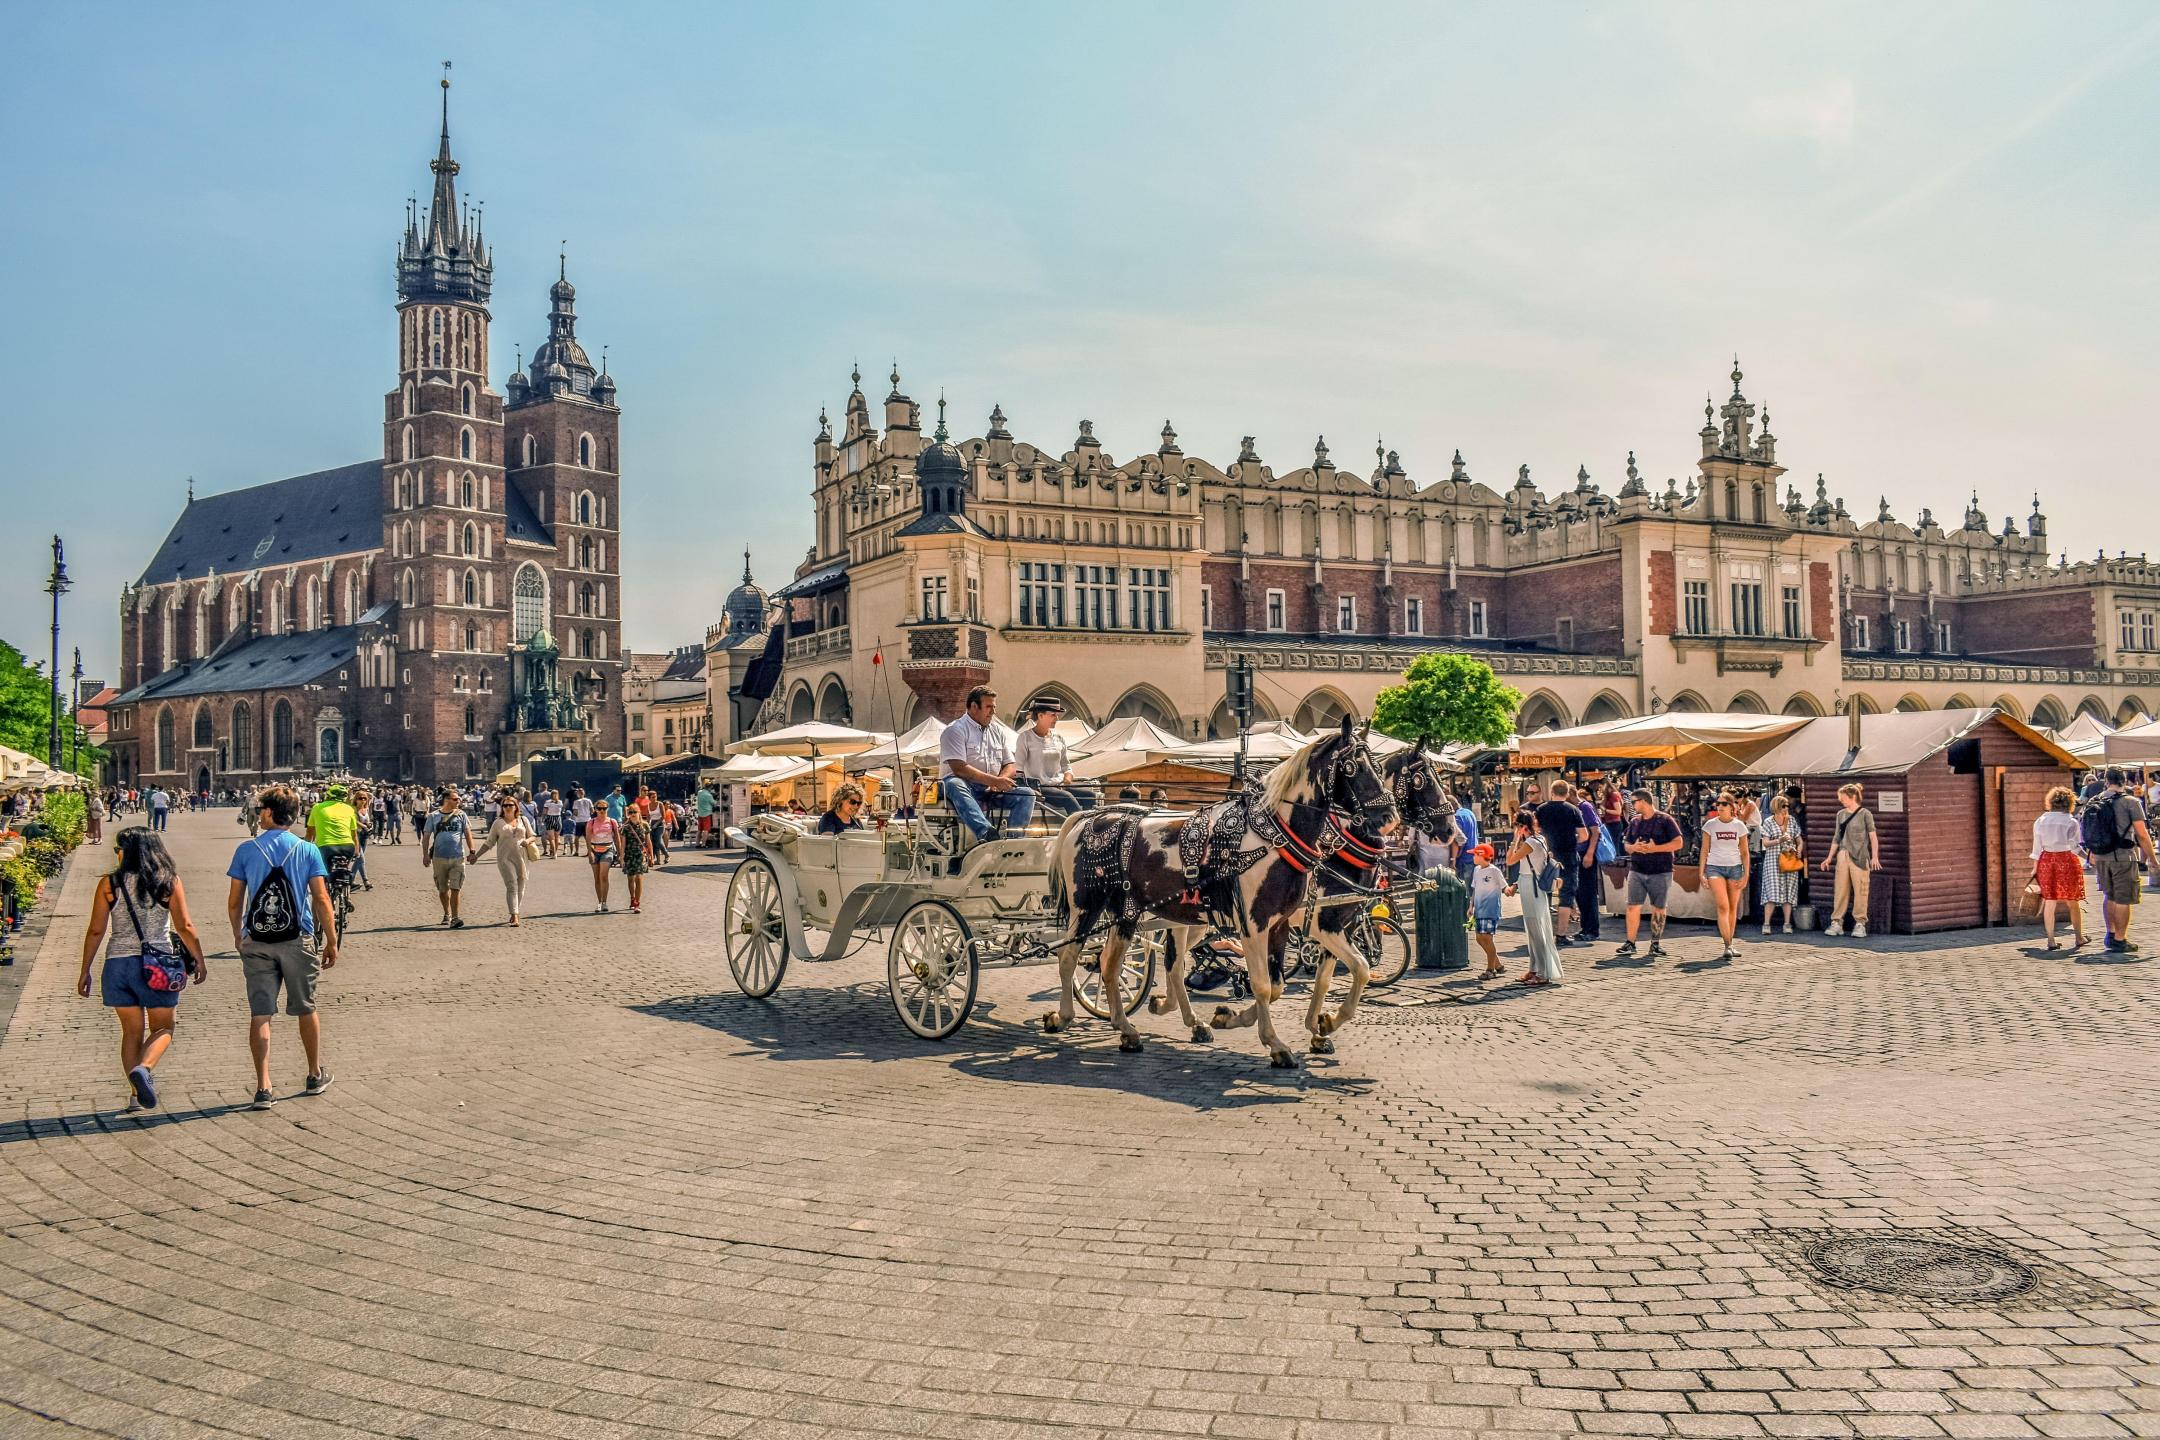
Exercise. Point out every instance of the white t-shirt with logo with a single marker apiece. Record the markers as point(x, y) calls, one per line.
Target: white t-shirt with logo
point(1724, 841)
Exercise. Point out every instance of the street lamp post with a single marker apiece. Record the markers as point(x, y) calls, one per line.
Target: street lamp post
point(75, 718)
point(56, 587)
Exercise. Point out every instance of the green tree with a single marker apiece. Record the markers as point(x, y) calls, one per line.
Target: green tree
point(1446, 697)
point(26, 712)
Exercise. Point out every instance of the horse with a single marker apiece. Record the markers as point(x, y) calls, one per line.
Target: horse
point(1418, 798)
point(1120, 863)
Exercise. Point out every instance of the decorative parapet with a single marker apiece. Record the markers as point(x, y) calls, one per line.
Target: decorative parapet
point(1978, 673)
point(835, 641)
point(1393, 659)
point(2132, 570)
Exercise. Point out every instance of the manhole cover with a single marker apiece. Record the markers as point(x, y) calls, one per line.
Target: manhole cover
point(1918, 1268)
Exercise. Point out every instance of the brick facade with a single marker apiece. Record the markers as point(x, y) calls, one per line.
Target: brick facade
point(2045, 627)
point(1664, 593)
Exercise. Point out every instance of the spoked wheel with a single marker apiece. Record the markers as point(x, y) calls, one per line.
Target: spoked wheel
point(1300, 962)
point(753, 930)
point(1385, 947)
point(1136, 974)
point(931, 968)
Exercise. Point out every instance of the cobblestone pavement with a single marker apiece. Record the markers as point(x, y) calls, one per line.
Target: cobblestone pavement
point(570, 1184)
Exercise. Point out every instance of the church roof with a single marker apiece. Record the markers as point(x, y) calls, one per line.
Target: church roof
point(303, 517)
point(519, 521)
point(268, 662)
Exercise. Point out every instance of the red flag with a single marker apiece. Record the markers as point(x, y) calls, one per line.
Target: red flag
point(877, 656)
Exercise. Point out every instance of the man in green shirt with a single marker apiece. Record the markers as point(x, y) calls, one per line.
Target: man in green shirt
point(334, 826)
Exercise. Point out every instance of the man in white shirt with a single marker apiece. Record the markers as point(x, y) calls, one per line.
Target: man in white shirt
point(1043, 762)
point(160, 803)
point(981, 769)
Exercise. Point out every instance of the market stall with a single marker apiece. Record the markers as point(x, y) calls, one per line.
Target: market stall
point(1954, 794)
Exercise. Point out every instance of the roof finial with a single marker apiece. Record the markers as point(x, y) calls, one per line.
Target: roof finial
point(855, 374)
point(746, 565)
point(562, 260)
point(446, 99)
point(191, 493)
point(941, 435)
point(603, 359)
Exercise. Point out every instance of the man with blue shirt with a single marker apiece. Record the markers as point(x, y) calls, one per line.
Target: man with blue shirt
point(616, 804)
point(1466, 839)
point(278, 900)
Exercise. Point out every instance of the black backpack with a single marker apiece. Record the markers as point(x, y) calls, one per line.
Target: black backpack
point(273, 911)
point(2098, 825)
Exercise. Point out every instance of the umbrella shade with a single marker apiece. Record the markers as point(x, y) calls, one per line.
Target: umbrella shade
point(637, 761)
point(2084, 726)
point(1267, 747)
point(1659, 737)
point(917, 746)
point(763, 769)
point(811, 737)
point(510, 776)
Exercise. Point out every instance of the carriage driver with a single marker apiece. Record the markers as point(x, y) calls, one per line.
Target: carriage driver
point(981, 768)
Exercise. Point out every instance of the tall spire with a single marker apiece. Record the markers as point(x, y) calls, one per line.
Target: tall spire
point(446, 259)
point(444, 234)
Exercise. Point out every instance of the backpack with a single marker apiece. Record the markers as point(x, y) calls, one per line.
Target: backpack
point(273, 911)
point(2098, 824)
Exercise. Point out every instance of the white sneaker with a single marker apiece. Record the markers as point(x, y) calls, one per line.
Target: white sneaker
point(1766, 927)
point(1859, 932)
point(1833, 928)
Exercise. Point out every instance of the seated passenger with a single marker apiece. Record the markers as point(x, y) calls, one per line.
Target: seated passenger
point(981, 771)
point(846, 812)
point(1043, 761)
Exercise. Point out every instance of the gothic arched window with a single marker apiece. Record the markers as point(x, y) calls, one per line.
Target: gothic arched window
point(243, 736)
point(464, 443)
point(585, 552)
point(471, 588)
point(408, 589)
point(472, 636)
point(469, 540)
point(585, 644)
point(408, 452)
point(472, 720)
point(465, 492)
point(584, 507)
point(165, 739)
point(584, 451)
point(532, 451)
point(528, 604)
point(408, 398)
point(465, 398)
point(281, 756)
point(585, 599)
point(314, 603)
point(203, 737)
point(352, 598)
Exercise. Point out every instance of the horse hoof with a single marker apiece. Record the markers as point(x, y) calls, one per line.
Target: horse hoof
point(1223, 1016)
point(1052, 1024)
point(1159, 1005)
point(1321, 1045)
point(1202, 1035)
point(1282, 1060)
point(1326, 1026)
point(1129, 1044)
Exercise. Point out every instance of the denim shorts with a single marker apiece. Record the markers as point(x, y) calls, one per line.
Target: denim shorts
point(125, 989)
point(1724, 872)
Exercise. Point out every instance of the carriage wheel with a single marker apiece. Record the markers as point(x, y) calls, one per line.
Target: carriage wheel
point(1385, 947)
point(754, 932)
point(1136, 974)
point(931, 969)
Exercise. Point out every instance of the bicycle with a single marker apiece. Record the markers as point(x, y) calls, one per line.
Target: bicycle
point(341, 907)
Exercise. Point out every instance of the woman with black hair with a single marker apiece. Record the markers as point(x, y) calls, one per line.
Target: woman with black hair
point(141, 967)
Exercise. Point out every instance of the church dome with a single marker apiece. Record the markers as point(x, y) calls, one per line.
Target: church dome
point(745, 605)
point(940, 460)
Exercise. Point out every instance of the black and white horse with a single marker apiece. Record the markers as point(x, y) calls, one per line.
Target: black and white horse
point(1115, 866)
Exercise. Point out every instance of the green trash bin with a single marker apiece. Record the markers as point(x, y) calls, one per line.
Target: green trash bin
point(1443, 924)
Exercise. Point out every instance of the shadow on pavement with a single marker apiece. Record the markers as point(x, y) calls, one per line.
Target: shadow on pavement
point(856, 1022)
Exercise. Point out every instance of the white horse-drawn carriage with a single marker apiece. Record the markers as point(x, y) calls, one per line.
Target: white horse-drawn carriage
point(948, 911)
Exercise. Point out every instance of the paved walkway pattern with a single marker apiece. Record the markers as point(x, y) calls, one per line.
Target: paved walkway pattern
point(570, 1184)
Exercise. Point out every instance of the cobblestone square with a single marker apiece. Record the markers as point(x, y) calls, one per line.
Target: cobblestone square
point(569, 1183)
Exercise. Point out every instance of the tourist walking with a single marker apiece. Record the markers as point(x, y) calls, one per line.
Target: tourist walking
point(634, 837)
point(1653, 838)
point(1855, 855)
point(510, 837)
point(279, 898)
point(1590, 884)
point(1562, 826)
point(1537, 878)
point(1488, 882)
point(581, 813)
point(160, 807)
point(448, 851)
point(2058, 865)
point(2114, 831)
point(1784, 861)
point(551, 818)
point(602, 837)
point(143, 976)
point(1725, 868)
point(1466, 838)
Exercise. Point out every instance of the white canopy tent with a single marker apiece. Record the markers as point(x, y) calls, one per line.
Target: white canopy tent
point(2138, 745)
point(918, 746)
point(1121, 745)
point(1659, 737)
point(766, 769)
point(2083, 726)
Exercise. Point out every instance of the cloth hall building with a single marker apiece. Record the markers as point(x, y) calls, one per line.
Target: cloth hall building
point(434, 614)
point(1125, 586)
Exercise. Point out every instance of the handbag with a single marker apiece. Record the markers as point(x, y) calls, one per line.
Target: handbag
point(1606, 854)
point(163, 971)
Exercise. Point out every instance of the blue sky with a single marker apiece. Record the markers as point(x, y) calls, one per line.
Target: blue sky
point(1537, 232)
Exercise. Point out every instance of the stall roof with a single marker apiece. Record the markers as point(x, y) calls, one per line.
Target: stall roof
point(1663, 736)
point(1889, 745)
point(2137, 744)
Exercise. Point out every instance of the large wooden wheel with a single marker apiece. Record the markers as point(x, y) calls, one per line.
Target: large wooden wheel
point(932, 969)
point(1136, 974)
point(754, 932)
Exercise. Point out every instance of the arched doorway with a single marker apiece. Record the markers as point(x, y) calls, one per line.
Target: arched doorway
point(1323, 710)
point(1803, 704)
point(202, 779)
point(1542, 711)
point(801, 707)
point(1607, 706)
point(833, 703)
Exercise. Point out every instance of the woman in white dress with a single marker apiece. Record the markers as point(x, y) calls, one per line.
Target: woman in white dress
point(1530, 861)
point(508, 837)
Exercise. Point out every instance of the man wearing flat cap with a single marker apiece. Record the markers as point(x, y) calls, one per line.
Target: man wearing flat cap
point(1043, 761)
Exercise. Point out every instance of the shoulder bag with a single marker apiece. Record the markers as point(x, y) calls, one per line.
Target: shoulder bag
point(1789, 858)
point(163, 971)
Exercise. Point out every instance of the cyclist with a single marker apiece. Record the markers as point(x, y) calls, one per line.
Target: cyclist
point(334, 826)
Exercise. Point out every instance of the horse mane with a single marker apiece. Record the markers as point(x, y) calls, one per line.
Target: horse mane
point(1276, 791)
